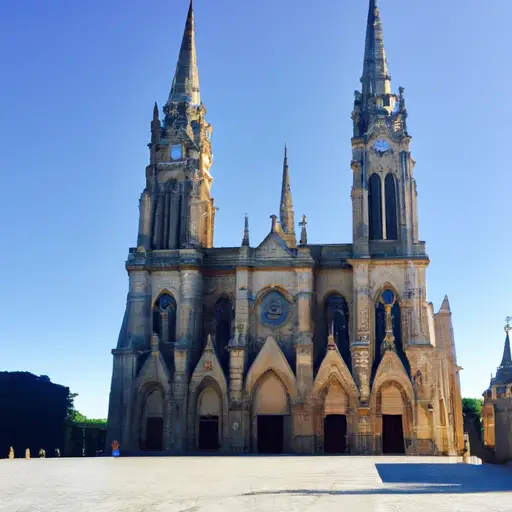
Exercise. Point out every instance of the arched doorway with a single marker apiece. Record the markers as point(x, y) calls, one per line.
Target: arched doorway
point(152, 421)
point(271, 414)
point(209, 414)
point(393, 416)
point(335, 419)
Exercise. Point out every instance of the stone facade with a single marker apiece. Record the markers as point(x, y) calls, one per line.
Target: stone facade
point(497, 410)
point(283, 346)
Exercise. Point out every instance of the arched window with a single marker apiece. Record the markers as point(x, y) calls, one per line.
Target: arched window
point(375, 207)
point(223, 327)
point(164, 318)
point(338, 325)
point(391, 213)
point(388, 300)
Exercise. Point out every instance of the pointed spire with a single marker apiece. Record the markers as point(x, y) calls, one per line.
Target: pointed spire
point(303, 231)
point(286, 208)
point(507, 359)
point(245, 240)
point(185, 86)
point(445, 306)
point(209, 342)
point(375, 79)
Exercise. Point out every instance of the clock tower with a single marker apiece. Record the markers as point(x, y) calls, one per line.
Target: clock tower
point(384, 190)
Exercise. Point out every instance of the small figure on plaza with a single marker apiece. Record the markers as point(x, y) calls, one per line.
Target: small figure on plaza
point(57, 452)
point(27, 453)
point(11, 453)
point(115, 448)
point(42, 453)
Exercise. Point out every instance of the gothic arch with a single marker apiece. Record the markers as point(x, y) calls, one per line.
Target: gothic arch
point(274, 288)
point(207, 373)
point(271, 357)
point(391, 206)
point(375, 207)
point(337, 317)
point(156, 391)
point(400, 382)
point(164, 311)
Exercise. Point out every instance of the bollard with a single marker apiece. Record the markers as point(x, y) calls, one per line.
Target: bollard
point(11, 453)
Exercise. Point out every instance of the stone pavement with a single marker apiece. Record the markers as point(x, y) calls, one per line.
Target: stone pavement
point(256, 483)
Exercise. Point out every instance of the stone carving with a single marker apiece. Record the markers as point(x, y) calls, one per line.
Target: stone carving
point(274, 309)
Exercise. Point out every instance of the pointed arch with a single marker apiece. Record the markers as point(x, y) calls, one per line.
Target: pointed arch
point(208, 373)
point(375, 207)
point(164, 312)
point(388, 295)
point(391, 207)
point(337, 318)
point(224, 321)
point(271, 357)
point(333, 367)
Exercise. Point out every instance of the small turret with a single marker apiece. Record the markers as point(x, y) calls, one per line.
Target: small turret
point(245, 240)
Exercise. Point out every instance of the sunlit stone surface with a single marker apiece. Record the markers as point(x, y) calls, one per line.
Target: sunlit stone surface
point(252, 483)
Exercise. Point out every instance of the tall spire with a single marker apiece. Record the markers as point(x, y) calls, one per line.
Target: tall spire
point(185, 86)
point(504, 373)
point(507, 359)
point(375, 79)
point(286, 208)
point(245, 240)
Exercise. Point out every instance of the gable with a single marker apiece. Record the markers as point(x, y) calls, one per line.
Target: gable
point(333, 366)
point(154, 370)
point(273, 247)
point(391, 369)
point(271, 358)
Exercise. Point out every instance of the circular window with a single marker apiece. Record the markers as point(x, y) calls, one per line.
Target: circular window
point(274, 309)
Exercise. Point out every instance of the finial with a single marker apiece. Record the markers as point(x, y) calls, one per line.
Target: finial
point(209, 343)
point(508, 327)
point(155, 112)
point(273, 225)
point(245, 240)
point(303, 233)
point(331, 344)
point(285, 151)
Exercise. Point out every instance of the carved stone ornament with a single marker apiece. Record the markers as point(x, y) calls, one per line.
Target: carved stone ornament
point(235, 426)
point(274, 309)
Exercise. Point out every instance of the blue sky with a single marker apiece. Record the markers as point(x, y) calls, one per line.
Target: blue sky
point(79, 82)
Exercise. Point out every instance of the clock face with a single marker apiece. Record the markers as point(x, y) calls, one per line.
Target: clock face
point(381, 146)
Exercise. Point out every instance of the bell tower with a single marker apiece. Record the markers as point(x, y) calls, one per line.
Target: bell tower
point(384, 193)
point(176, 207)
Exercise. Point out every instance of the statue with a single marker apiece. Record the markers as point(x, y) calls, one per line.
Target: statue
point(11, 453)
point(115, 448)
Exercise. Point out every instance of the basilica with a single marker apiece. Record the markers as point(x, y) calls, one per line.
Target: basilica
point(279, 345)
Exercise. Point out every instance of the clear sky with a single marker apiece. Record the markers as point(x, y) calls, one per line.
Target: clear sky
point(76, 96)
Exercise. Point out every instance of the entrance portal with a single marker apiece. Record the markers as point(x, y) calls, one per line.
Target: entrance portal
point(154, 434)
point(209, 433)
point(335, 432)
point(392, 434)
point(270, 434)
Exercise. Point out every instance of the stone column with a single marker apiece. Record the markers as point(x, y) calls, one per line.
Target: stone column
point(180, 394)
point(237, 357)
point(138, 306)
point(190, 309)
point(144, 237)
point(360, 346)
point(122, 398)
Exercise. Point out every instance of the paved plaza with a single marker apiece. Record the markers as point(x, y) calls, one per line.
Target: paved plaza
point(190, 484)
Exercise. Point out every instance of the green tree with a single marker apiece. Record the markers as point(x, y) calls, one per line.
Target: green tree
point(472, 406)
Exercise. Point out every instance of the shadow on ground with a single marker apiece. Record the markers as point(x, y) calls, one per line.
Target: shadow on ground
point(423, 479)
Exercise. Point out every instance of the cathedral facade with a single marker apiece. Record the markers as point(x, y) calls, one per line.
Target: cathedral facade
point(283, 346)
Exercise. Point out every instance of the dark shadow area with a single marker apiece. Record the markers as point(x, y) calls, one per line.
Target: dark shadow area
point(423, 479)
